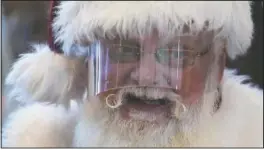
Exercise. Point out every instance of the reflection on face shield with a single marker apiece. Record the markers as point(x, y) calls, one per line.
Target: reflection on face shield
point(180, 67)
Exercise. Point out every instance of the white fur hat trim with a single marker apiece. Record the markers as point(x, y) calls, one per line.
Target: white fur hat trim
point(90, 19)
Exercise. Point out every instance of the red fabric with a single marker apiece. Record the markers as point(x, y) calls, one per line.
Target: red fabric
point(50, 40)
point(52, 45)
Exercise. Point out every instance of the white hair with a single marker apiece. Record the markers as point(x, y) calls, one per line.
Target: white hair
point(102, 126)
point(89, 20)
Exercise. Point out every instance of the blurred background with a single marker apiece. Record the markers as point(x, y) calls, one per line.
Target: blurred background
point(25, 22)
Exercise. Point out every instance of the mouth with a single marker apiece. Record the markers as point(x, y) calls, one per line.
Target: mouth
point(146, 109)
point(132, 99)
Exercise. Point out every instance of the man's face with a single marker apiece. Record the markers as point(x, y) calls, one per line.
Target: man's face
point(150, 84)
point(153, 77)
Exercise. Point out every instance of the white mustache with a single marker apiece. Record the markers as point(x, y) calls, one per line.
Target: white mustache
point(149, 93)
point(116, 100)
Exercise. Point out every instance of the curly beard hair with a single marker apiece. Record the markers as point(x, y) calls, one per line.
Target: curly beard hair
point(103, 126)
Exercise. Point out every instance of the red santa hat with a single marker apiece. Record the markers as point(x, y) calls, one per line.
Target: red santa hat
point(43, 75)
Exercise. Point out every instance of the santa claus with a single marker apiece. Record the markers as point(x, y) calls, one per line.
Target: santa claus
point(137, 74)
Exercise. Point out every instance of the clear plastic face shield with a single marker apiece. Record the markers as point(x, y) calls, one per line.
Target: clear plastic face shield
point(180, 65)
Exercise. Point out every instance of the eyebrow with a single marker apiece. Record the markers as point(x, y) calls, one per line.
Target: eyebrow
point(83, 41)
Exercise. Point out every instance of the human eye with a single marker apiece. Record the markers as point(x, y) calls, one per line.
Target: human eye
point(162, 56)
point(124, 54)
point(172, 57)
point(166, 55)
point(178, 54)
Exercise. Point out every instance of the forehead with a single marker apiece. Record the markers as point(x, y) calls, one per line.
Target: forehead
point(201, 39)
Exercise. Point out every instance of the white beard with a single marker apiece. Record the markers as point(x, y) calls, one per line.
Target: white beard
point(103, 127)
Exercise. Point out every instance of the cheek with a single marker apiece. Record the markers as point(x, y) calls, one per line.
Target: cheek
point(193, 82)
point(193, 86)
point(117, 74)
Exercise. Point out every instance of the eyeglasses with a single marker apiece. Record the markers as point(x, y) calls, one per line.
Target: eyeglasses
point(174, 57)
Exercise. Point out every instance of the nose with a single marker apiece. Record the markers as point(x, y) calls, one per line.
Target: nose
point(145, 72)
